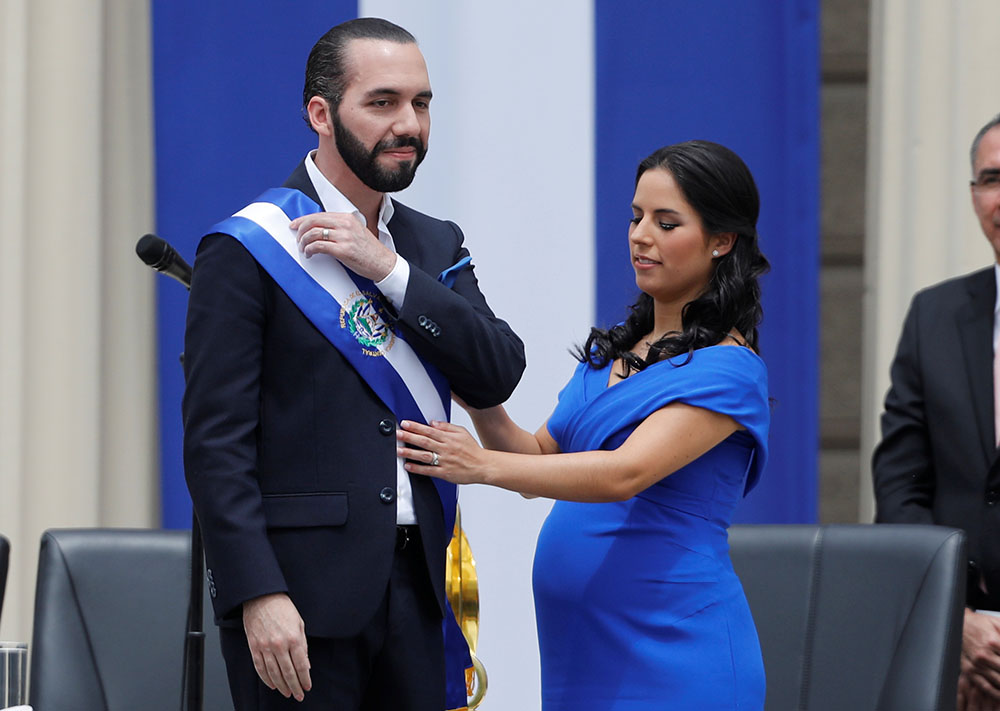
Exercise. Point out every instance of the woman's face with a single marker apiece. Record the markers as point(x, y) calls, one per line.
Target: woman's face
point(671, 253)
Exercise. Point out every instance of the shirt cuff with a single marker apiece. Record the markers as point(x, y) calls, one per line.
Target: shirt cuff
point(393, 287)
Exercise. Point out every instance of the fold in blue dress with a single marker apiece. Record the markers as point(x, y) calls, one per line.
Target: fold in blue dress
point(637, 604)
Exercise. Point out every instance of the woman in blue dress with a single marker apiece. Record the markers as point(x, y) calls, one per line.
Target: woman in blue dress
point(655, 439)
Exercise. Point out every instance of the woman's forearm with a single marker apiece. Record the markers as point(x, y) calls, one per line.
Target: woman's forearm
point(665, 441)
point(592, 477)
point(497, 431)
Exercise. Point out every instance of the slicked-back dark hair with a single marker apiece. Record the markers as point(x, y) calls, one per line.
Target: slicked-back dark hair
point(326, 68)
point(721, 189)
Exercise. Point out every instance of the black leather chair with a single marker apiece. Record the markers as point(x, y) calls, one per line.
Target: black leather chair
point(110, 612)
point(4, 564)
point(855, 617)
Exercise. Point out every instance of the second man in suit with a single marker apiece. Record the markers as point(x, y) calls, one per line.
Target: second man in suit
point(938, 461)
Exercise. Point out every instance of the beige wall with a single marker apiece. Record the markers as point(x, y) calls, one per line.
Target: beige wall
point(76, 306)
point(844, 28)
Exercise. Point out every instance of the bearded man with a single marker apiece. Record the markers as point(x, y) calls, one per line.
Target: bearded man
point(319, 317)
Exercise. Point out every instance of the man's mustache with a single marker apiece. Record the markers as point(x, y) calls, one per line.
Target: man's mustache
point(401, 142)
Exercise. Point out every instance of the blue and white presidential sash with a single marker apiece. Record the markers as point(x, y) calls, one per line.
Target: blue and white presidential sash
point(346, 309)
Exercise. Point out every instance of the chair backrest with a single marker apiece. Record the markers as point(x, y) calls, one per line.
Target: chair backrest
point(110, 623)
point(860, 617)
point(4, 564)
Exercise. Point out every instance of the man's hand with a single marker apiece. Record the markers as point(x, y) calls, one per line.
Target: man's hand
point(971, 698)
point(342, 236)
point(277, 639)
point(979, 677)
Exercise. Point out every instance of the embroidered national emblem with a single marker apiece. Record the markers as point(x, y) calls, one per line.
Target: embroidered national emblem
point(363, 315)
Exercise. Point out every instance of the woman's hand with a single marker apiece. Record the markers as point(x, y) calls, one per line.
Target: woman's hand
point(460, 459)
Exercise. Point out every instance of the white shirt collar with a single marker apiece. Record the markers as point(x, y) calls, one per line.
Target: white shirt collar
point(334, 201)
point(996, 308)
point(996, 275)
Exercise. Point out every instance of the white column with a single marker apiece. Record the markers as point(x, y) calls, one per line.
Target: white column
point(14, 248)
point(933, 84)
point(76, 313)
point(511, 161)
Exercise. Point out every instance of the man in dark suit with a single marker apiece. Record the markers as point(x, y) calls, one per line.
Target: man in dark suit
point(938, 461)
point(325, 558)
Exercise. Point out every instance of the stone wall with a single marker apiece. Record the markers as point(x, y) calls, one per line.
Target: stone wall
point(844, 27)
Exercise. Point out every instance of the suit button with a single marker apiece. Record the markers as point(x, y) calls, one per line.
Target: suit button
point(436, 332)
point(422, 320)
point(388, 495)
point(386, 427)
point(991, 497)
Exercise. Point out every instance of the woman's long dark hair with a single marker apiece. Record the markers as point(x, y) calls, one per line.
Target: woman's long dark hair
point(720, 188)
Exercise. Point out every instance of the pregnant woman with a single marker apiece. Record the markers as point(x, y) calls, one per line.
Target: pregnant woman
point(658, 435)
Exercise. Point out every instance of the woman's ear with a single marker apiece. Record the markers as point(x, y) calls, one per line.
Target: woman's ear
point(722, 243)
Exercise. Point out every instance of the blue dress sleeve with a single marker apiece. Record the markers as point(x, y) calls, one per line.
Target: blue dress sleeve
point(728, 379)
point(571, 399)
point(731, 380)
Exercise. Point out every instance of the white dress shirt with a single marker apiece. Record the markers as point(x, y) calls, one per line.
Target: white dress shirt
point(393, 287)
point(996, 309)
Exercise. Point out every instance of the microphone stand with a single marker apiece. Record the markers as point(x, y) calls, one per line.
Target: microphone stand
point(193, 679)
point(193, 675)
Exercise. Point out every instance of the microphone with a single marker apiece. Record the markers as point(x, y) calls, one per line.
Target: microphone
point(159, 255)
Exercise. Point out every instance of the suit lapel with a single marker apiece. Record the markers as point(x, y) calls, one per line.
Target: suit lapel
point(418, 252)
point(975, 328)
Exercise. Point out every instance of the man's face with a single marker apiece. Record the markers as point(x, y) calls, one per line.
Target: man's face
point(986, 187)
point(383, 122)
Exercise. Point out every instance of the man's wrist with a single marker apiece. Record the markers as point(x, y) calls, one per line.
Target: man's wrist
point(393, 285)
point(262, 599)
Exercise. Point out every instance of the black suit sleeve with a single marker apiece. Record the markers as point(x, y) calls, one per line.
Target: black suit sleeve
point(902, 466)
point(455, 329)
point(222, 362)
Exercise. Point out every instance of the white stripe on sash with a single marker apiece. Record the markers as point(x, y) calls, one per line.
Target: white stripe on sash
point(333, 278)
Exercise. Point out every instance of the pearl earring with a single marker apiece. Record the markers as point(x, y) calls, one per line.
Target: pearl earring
point(715, 253)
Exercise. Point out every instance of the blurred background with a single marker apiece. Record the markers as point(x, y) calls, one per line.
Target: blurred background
point(121, 117)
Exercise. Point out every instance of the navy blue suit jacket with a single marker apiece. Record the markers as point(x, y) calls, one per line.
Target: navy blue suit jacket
point(287, 450)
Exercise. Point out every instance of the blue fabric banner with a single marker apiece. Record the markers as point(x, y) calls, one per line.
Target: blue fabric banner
point(744, 74)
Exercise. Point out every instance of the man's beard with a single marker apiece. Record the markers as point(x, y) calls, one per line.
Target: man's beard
point(364, 163)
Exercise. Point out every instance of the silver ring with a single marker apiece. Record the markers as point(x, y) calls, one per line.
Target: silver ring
point(326, 233)
point(435, 459)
